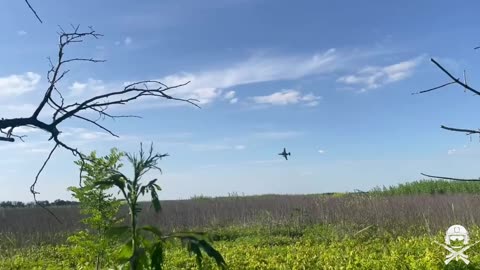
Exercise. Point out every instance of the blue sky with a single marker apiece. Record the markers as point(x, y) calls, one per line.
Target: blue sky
point(331, 81)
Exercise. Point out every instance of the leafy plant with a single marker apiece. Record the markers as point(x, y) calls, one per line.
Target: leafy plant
point(100, 209)
point(139, 251)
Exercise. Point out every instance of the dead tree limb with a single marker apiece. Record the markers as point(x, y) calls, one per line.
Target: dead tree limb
point(450, 178)
point(466, 87)
point(33, 10)
point(99, 104)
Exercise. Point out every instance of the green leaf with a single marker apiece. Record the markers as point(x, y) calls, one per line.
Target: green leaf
point(125, 252)
point(118, 231)
point(155, 200)
point(118, 180)
point(192, 246)
point(213, 253)
point(152, 229)
point(152, 182)
point(195, 241)
point(157, 256)
point(104, 184)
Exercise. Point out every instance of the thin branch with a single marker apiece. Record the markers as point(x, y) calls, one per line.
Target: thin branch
point(434, 88)
point(5, 139)
point(468, 131)
point(450, 178)
point(453, 78)
point(32, 187)
point(33, 10)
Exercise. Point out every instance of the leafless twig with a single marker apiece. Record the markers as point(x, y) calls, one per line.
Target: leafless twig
point(33, 10)
point(450, 178)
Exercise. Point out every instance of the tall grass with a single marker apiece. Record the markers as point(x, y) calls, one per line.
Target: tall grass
point(429, 187)
point(423, 206)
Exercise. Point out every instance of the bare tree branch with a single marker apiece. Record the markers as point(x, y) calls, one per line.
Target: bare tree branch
point(466, 87)
point(457, 80)
point(434, 88)
point(33, 10)
point(450, 178)
point(468, 131)
point(32, 187)
point(98, 104)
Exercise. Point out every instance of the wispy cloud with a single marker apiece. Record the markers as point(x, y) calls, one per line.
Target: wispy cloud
point(214, 146)
point(16, 110)
point(230, 96)
point(286, 97)
point(24, 130)
point(91, 87)
point(17, 84)
point(26, 146)
point(372, 77)
point(85, 135)
point(239, 147)
point(277, 134)
point(40, 150)
point(451, 151)
point(21, 32)
point(127, 41)
point(207, 86)
point(321, 151)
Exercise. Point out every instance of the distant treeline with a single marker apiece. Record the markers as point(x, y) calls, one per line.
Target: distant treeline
point(18, 204)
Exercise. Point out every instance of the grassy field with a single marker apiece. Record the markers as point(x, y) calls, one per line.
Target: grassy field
point(386, 228)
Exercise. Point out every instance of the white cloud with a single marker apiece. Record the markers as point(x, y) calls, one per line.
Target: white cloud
point(321, 151)
point(372, 77)
point(83, 134)
point(25, 129)
point(451, 151)
point(277, 134)
point(239, 147)
point(40, 150)
point(127, 41)
point(286, 97)
point(94, 86)
point(16, 84)
point(26, 146)
point(17, 110)
point(207, 86)
point(229, 95)
point(21, 32)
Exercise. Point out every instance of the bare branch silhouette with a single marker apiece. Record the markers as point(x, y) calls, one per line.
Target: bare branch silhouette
point(450, 178)
point(33, 10)
point(32, 187)
point(98, 104)
point(466, 87)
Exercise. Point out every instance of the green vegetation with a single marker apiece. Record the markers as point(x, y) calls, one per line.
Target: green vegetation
point(139, 251)
point(374, 230)
point(100, 209)
point(314, 247)
point(430, 187)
